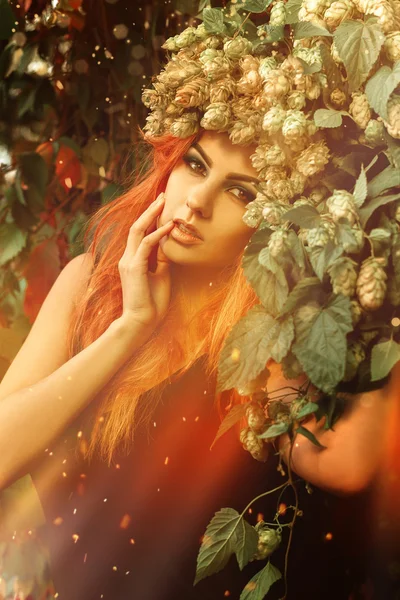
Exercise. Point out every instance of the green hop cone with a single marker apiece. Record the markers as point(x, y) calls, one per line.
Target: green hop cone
point(338, 12)
point(257, 448)
point(343, 276)
point(374, 133)
point(371, 283)
point(217, 117)
point(320, 236)
point(274, 119)
point(341, 204)
point(278, 243)
point(256, 417)
point(392, 46)
point(268, 541)
point(360, 109)
point(186, 38)
point(278, 14)
point(236, 48)
point(354, 357)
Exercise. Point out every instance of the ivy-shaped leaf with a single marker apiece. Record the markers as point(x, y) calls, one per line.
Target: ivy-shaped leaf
point(358, 44)
point(321, 257)
point(324, 117)
point(226, 534)
point(256, 6)
point(213, 19)
point(292, 11)
point(383, 358)
point(360, 189)
point(321, 347)
point(380, 87)
point(385, 180)
point(258, 337)
point(236, 413)
point(308, 409)
point(274, 430)
point(259, 585)
point(367, 211)
point(305, 216)
point(304, 431)
point(306, 30)
point(270, 285)
point(307, 289)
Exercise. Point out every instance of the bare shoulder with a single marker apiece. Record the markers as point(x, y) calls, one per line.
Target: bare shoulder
point(45, 348)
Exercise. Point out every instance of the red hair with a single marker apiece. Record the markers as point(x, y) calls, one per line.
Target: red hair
point(118, 407)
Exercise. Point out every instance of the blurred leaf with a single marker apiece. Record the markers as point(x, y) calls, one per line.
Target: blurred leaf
point(12, 240)
point(7, 20)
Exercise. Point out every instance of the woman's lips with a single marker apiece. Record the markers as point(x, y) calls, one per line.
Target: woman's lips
point(183, 237)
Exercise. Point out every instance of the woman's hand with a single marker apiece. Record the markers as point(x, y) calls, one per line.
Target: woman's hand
point(146, 295)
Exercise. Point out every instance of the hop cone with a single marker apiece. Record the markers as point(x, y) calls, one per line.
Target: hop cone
point(354, 357)
point(312, 56)
point(185, 125)
point(276, 84)
point(217, 117)
point(266, 65)
point(250, 83)
point(278, 14)
point(194, 93)
point(338, 97)
point(222, 90)
point(338, 12)
point(393, 123)
point(238, 47)
point(268, 541)
point(360, 109)
point(278, 243)
point(242, 132)
point(357, 246)
point(382, 9)
point(343, 276)
point(254, 211)
point(272, 213)
point(341, 204)
point(187, 37)
point(296, 100)
point(371, 283)
point(298, 182)
point(255, 417)
point(392, 46)
point(320, 236)
point(294, 125)
point(253, 444)
point(313, 159)
point(216, 68)
point(356, 312)
point(374, 133)
point(274, 119)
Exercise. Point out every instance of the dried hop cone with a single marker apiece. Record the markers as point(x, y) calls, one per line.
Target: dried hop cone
point(313, 159)
point(296, 100)
point(256, 417)
point(276, 84)
point(392, 46)
point(356, 312)
point(238, 47)
point(268, 540)
point(354, 357)
point(185, 125)
point(343, 276)
point(320, 236)
point(360, 109)
point(217, 117)
point(257, 448)
point(371, 283)
point(274, 119)
point(194, 93)
point(338, 12)
point(272, 213)
point(393, 123)
point(294, 125)
point(341, 204)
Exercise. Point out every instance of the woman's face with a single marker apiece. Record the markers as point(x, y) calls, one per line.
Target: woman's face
point(209, 188)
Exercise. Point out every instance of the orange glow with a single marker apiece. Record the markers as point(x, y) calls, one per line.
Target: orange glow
point(282, 509)
point(328, 536)
point(260, 517)
point(166, 460)
point(125, 521)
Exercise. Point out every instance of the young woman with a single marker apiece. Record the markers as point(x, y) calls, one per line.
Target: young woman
point(113, 397)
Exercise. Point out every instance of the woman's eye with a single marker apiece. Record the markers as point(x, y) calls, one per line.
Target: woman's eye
point(246, 196)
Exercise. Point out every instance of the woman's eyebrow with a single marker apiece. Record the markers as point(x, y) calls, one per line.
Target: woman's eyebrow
point(234, 176)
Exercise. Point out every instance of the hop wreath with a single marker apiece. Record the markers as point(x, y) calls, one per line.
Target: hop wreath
point(315, 86)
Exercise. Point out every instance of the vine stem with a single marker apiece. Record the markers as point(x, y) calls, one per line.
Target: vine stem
point(241, 25)
point(264, 494)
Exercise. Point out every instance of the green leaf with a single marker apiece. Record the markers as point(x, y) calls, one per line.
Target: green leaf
point(393, 152)
point(226, 534)
point(367, 211)
point(275, 33)
point(305, 216)
point(292, 11)
point(256, 6)
point(258, 337)
point(7, 20)
point(358, 44)
point(321, 257)
point(12, 241)
point(213, 20)
point(321, 347)
point(380, 87)
point(306, 30)
point(259, 585)
point(234, 415)
point(34, 171)
point(308, 409)
point(309, 435)
point(386, 179)
point(360, 189)
point(304, 291)
point(274, 430)
point(271, 287)
point(324, 117)
point(383, 358)
point(378, 234)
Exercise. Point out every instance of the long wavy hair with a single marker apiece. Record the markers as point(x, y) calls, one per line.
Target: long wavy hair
point(122, 405)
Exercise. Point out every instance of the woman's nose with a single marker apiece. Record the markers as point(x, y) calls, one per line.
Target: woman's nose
point(201, 199)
